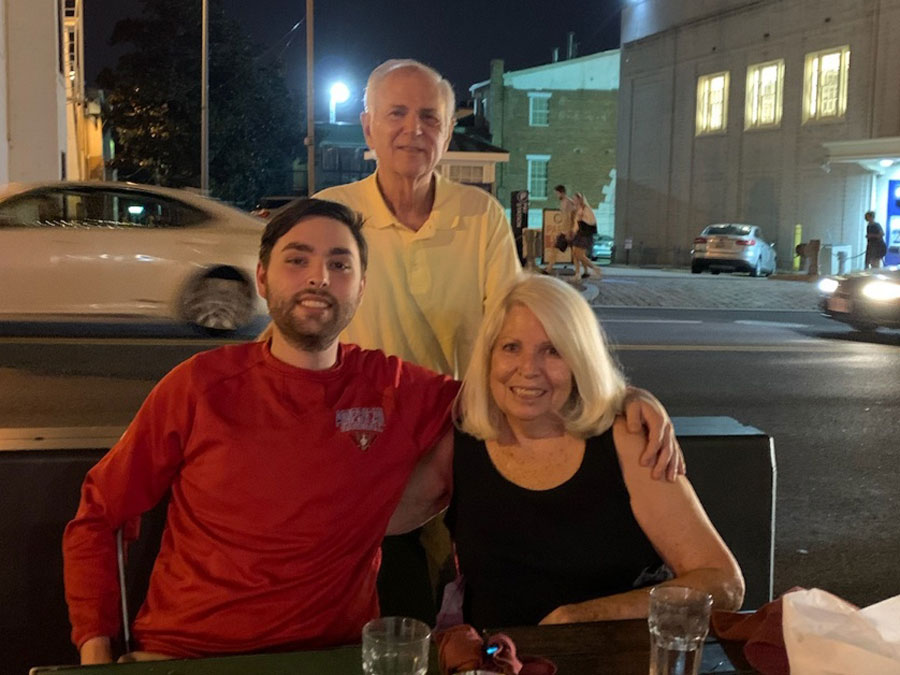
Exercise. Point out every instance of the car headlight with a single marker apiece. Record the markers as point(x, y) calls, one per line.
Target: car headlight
point(828, 286)
point(881, 290)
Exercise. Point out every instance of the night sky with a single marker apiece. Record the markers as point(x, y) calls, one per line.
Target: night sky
point(457, 37)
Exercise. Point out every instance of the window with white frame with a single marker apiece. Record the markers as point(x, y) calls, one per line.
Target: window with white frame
point(537, 175)
point(762, 109)
point(825, 84)
point(712, 103)
point(539, 109)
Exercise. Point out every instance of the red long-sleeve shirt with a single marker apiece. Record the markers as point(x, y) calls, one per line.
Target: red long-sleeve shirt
point(282, 484)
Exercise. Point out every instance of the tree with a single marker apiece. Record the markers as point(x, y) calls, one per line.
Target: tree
point(153, 105)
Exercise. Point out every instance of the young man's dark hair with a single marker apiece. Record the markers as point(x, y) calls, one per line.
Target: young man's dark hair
point(298, 210)
point(560, 188)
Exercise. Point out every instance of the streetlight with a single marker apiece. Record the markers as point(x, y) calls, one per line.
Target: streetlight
point(339, 94)
point(204, 98)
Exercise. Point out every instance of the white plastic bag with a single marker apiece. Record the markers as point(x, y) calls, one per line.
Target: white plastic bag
point(825, 635)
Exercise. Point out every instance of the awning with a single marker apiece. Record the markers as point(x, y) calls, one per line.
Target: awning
point(873, 154)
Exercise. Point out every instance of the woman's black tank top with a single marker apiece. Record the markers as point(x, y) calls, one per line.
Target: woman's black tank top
point(586, 229)
point(524, 552)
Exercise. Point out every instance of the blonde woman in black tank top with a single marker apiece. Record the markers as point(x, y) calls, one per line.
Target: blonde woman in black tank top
point(583, 240)
point(555, 519)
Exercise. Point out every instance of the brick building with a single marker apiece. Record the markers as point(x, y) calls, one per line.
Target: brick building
point(771, 112)
point(558, 123)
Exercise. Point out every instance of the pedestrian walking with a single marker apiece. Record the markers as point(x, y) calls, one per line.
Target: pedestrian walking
point(876, 248)
point(567, 212)
point(583, 240)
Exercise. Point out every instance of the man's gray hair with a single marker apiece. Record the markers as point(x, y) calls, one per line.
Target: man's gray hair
point(389, 66)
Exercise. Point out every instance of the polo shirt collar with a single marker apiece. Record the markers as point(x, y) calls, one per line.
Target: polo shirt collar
point(380, 216)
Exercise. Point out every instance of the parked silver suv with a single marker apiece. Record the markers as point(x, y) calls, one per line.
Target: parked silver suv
point(733, 247)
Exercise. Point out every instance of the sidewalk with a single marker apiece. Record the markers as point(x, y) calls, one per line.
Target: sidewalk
point(623, 286)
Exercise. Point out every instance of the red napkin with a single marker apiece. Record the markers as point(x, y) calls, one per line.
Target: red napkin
point(761, 633)
point(461, 648)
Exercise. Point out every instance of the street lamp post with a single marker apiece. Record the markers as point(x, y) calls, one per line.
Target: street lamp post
point(310, 140)
point(339, 94)
point(204, 101)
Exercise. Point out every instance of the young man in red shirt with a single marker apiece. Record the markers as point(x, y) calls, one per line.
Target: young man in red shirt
point(285, 459)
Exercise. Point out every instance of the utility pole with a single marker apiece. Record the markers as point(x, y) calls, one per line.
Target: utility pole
point(310, 140)
point(204, 102)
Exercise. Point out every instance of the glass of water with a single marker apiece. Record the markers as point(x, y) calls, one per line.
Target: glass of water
point(679, 622)
point(395, 645)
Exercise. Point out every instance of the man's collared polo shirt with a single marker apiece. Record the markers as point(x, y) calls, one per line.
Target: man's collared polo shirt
point(426, 291)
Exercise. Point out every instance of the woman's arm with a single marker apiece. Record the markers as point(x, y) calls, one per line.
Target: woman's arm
point(675, 523)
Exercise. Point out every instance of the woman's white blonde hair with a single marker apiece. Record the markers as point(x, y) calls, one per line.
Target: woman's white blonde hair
point(598, 384)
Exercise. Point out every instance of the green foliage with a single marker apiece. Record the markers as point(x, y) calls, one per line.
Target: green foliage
point(153, 105)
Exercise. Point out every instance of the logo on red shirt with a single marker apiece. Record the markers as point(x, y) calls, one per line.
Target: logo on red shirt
point(363, 424)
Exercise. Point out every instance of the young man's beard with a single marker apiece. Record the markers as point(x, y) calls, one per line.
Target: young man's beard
point(311, 335)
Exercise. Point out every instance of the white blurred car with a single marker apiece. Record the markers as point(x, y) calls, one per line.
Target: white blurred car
point(116, 250)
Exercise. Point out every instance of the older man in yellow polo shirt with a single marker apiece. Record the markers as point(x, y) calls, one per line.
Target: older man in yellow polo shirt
point(439, 250)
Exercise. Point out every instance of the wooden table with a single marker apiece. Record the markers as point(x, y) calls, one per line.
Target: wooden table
point(604, 648)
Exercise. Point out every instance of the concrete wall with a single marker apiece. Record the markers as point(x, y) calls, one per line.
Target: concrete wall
point(672, 183)
point(34, 92)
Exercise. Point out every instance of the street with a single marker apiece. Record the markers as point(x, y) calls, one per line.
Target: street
point(827, 395)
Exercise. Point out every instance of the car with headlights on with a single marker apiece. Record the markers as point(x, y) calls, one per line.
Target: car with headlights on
point(865, 300)
point(733, 247)
point(98, 250)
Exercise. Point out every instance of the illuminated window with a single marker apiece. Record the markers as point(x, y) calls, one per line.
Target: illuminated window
point(538, 109)
point(764, 84)
point(537, 175)
point(712, 103)
point(825, 84)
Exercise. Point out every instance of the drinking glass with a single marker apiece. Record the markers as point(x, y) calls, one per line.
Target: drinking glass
point(679, 622)
point(395, 645)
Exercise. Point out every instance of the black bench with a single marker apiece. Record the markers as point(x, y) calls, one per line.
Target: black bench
point(732, 468)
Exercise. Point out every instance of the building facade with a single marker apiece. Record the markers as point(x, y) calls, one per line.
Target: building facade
point(772, 112)
point(33, 145)
point(51, 130)
point(558, 123)
point(86, 146)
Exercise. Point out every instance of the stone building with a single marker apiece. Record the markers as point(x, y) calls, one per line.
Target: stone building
point(558, 123)
point(772, 112)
